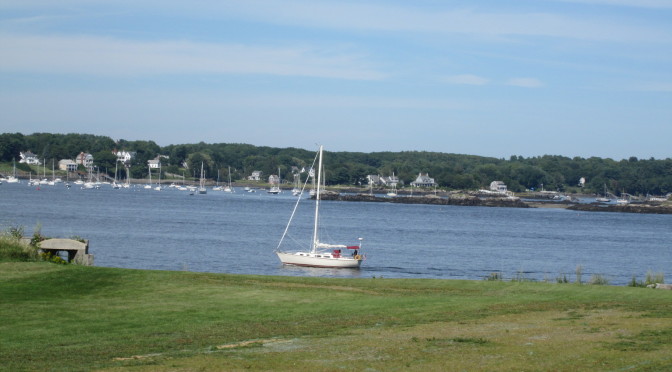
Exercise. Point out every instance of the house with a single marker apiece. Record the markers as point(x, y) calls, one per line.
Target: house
point(274, 179)
point(423, 180)
point(374, 179)
point(498, 186)
point(67, 165)
point(84, 159)
point(154, 163)
point(390, 181)
point(29, 158)
point(377, 180)
point(124, 156)
point(256, 176)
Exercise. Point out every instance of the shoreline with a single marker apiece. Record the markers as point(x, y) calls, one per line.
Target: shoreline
point(505, 202)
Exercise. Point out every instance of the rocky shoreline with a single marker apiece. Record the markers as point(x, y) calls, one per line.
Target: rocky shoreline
point(625, 208)
point(427, 199)
point(470, 200)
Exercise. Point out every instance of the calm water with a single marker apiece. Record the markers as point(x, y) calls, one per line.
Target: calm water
point(237, 233)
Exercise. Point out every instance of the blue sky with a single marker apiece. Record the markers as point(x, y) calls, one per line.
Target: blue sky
point(492, 78)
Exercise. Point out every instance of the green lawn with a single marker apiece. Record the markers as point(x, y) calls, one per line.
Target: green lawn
point(66, 317)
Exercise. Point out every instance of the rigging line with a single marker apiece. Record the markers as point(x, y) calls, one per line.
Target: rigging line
point(296, 206)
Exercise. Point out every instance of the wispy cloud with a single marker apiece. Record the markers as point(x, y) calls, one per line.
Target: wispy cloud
point(661, 87)
point(393, 17)
point(524, 82)
point(114, 57)
point(396, 18)
point(466, 79)
point(649, 4)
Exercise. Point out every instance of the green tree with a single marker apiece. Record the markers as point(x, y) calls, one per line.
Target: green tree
point(105, 161)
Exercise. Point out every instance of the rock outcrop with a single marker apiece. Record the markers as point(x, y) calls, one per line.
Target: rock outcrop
point(428, 199)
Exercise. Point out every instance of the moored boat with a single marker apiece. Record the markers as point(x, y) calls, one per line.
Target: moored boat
point(321, 254)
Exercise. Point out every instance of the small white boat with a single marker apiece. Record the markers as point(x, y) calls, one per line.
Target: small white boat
point(321, 254)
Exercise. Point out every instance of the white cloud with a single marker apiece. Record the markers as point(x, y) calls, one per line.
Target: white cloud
point(115, 57)
point(524, 82)
point(466, 79)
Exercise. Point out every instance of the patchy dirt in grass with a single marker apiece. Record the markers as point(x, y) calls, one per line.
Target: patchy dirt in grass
point(545, 340)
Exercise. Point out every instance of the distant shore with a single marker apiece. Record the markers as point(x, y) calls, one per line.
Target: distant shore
point(508, 202)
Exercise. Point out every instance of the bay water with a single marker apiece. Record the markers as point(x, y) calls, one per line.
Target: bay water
point(238, 233)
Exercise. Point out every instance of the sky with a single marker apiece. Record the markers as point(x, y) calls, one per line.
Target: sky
point(482, 77)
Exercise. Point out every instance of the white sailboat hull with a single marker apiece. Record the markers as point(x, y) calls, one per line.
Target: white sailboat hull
point(318, 260)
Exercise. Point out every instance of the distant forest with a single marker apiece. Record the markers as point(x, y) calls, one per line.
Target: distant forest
point(450, 171)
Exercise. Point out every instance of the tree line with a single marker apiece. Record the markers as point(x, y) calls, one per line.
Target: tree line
point(450, 171)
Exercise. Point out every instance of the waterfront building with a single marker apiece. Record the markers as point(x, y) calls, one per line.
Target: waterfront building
point(423, 180)
point(29, 158)
point(67, 165)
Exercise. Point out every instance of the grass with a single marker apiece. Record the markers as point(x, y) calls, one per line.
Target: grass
point(68, 317)
point(12, 250)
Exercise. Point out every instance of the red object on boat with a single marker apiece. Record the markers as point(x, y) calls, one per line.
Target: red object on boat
point(353, 247)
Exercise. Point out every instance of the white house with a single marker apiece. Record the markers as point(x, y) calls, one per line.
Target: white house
point(29, 158)
point(67, 165)
point(382, 180)
point(84, 159)
point(498, 186)
point(154, 163)
point(391, 180)
point(374, 179)
point(256, 176)
point(423, 180)
point(124, 156)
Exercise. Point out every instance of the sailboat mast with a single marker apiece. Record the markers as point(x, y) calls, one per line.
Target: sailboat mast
point(317, 200)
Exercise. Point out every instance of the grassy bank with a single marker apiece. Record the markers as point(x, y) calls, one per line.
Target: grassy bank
point(66, 317)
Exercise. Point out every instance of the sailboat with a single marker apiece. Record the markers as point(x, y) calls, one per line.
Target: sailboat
point(275, 189)
point(297, 179)
point(311, 173)
point(217, 187)
point(228, 187)
point(158, 187)
point(53, 173)
point(201, 188)
point(149, 184)
point(321, 254)
point(393, 192)
point(12, 178)
point(44, 180)
point(115, 185)
point(604, 199)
